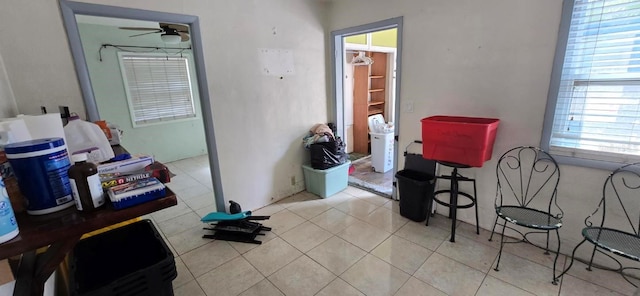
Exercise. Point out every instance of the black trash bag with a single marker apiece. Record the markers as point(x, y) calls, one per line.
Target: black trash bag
point(327, 155)
point(336, 147)
point(340, 147)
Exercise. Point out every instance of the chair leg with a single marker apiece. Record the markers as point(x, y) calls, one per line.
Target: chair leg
point(501, 245)
point(475, 201)
point(429, 210)
point(591, 260)
point(555, 279)
point(573, 255)
point(431, 201)
point(546, 249)
point(453, 201)
point(494, 228)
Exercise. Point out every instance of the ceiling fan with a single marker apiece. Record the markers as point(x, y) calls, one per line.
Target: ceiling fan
point(171, 33)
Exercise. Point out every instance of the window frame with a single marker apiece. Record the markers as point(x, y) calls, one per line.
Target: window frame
point(552, 98)
point(193, 88)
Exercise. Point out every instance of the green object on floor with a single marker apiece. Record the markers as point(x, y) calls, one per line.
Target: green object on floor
point(222, 216)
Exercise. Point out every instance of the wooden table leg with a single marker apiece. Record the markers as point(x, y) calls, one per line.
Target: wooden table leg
point(37, 269)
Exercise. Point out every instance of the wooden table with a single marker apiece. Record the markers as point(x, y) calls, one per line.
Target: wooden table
point(61, 231)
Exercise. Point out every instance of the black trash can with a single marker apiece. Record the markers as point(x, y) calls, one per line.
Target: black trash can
point(416, 191)
point(132, 260)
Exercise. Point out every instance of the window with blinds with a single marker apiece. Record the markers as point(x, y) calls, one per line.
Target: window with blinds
point(158, 88)
point(597, 111)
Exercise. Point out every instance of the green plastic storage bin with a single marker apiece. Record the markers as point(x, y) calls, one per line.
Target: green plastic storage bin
point(325, 183)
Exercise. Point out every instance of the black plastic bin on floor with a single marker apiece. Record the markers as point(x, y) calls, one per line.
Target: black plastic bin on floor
point(130, 260)
point(416, 191)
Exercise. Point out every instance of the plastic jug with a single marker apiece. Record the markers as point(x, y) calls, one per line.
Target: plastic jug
point(83, 136)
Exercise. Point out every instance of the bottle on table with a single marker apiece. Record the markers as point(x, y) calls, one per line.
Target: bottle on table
point(85, 183)
point(8, 224)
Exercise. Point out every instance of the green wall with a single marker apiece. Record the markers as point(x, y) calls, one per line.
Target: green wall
point(357, 39)
point(385, 38)
point(167, 141)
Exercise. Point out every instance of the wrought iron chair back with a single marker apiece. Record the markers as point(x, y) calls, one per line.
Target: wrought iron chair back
point(527, 181)
point(528, 177)
point(620, 197)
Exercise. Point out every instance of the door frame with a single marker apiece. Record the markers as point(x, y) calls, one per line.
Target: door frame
point(337, 62)
point(69, 9)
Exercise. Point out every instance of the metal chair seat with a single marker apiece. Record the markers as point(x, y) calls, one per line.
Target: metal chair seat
point(528, 217)
point(613, 240)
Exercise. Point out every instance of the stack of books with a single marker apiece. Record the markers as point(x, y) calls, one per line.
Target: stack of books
point(136, 192)
point(137, 185)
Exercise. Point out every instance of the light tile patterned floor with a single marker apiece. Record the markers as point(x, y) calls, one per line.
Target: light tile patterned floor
point(353, 243)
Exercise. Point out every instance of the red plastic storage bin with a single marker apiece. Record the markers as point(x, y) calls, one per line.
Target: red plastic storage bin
point(462, 140)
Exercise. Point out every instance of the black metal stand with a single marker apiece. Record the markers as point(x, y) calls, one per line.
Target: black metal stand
point(242, 230)
point(452, 204)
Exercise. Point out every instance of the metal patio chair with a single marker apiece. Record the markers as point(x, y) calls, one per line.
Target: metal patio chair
point(526, 197)
point(619, 235)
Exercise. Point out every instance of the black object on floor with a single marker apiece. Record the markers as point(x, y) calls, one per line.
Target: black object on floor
point(240, 230)
point(454, 193)
point(234, 207)
point(130, 260)
point(416, 183)
point(416, 190)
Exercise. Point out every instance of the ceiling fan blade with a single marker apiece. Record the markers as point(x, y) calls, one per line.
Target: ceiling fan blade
point(139, 29)
point(178, 28)
point(157, 31)
point(185, 36)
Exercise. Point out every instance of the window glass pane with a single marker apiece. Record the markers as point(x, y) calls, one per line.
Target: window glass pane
point(159, 88)
point(602, 117)
point(596, 114)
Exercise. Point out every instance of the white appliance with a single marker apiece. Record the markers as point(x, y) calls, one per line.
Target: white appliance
point(381, 134)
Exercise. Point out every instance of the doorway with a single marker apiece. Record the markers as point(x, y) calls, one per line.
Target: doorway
point(366, 63)
point(71, 10)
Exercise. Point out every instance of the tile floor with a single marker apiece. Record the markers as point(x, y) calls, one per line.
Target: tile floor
point(352, 243)
point(365, 177)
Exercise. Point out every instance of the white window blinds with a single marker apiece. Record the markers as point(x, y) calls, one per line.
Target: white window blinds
point(597, 114)
point(159, 88)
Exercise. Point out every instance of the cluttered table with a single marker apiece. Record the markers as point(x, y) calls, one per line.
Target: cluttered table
point(41, 165)
point(61, 231)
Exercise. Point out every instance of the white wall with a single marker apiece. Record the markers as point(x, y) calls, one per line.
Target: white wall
point(347, 85)
point(37, 57)
point(489, 58)
point(260, 120)
point(8, 106)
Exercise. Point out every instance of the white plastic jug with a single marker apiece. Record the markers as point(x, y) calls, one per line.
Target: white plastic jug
point(84, 136)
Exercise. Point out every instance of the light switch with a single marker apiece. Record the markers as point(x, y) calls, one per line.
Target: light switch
point(407, 107)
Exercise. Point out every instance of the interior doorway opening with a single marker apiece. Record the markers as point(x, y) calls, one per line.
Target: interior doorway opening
point(367, 63)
